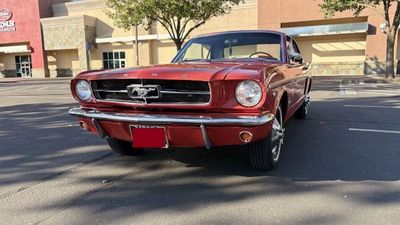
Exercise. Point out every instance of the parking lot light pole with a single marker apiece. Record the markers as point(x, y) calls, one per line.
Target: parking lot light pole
point(137, 45)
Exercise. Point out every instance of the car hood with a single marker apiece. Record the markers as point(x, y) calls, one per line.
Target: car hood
point(186, 71)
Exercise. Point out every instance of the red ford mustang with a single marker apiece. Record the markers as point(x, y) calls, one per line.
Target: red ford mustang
point(230, 88)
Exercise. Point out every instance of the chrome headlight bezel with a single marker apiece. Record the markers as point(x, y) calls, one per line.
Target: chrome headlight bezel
point(83, 90)
point(248, 93)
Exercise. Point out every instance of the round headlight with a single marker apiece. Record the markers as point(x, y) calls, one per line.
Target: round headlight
point(248, 93)
point(83, 91)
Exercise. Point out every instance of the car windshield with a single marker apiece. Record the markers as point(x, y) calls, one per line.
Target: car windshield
point(232, 46)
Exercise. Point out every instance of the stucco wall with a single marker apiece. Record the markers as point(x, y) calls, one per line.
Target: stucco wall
point(333, 49)
point(70, 32)
point(7, 65)
point(8, 60)
point(277, 14)
point(164, 51)
point(153, 51)
point(95, 8)
point(333, 55)
point(27, 19)
point(46, 7)
point(63, 63)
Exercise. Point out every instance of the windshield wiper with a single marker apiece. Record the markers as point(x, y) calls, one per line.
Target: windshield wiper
point(258, 59)
point(194, 60)
point(261, 59)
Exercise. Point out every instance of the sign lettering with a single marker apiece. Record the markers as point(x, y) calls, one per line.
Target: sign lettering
point(6, 24)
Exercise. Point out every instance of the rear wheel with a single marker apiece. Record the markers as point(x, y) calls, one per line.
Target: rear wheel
point(123, 147)
point(265, 154)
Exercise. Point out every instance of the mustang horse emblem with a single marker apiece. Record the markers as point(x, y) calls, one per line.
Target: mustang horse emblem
point(143, 92)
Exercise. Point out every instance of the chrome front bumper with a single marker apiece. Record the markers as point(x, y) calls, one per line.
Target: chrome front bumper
point(247, 121)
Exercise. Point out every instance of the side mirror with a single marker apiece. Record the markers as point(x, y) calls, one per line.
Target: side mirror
point(296, 57)
point(306, 67)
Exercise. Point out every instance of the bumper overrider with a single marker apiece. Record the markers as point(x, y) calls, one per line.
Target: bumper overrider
point(202, 122)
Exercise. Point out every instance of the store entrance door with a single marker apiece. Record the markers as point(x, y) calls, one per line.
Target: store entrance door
point(23, 65)
point(26, 69)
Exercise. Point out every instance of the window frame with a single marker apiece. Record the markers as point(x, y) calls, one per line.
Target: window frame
point(291, 48)
point(283, 52)
point(110, 59)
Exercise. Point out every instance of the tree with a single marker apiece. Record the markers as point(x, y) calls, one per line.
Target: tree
point(178, 17)
point(329, 7)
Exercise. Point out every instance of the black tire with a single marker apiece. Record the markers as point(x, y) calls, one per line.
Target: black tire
point(265, 154)
point(123, 147)
point(302, 112)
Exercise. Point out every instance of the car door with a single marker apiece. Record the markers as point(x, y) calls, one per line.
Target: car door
point(294, 73)
point(300, 66)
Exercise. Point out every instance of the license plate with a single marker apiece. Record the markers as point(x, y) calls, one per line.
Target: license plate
point(148, 137)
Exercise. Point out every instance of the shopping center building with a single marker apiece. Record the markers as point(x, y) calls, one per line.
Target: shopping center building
point(60, 38)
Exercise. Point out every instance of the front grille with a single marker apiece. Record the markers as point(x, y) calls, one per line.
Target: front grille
point(169, 91)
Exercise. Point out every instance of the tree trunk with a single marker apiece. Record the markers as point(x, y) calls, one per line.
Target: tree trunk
point(178, 44)
point(391, 37)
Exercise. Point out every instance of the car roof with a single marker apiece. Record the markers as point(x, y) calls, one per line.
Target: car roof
point(240, 31)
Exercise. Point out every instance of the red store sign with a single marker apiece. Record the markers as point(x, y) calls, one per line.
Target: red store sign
point(6, 24)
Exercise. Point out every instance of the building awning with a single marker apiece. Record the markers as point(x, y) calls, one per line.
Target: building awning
point(321, 30)
point(15, 49)
point(130, 39)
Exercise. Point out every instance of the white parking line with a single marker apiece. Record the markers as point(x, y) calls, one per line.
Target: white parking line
point(7, 89)
point(378, 94)
point(372, 106)
point(375, 131)
point(345, 92)
point(379, 91)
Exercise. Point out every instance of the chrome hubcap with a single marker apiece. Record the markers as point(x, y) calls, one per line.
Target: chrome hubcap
point(307, 104)
point(278, 134)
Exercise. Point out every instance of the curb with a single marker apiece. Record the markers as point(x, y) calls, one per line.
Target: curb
point(359, 78)
point(21, 80)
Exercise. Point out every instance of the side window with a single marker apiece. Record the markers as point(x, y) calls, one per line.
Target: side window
point(289, 46)
point(294, 55)
point(295, 47)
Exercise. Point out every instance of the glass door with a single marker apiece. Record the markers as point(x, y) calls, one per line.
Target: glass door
point(26, 69)
point(23, 65)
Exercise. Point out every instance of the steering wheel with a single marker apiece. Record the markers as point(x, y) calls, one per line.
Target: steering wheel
point(263, 53)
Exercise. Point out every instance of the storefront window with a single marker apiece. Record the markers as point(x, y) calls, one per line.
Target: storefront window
point(114, 60)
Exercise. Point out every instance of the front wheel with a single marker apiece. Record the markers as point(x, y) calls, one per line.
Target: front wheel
point(123, 147)
point(302, 112)
point(265, 154)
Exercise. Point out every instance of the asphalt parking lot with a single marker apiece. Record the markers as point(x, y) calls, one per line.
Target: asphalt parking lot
point(340, 166)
